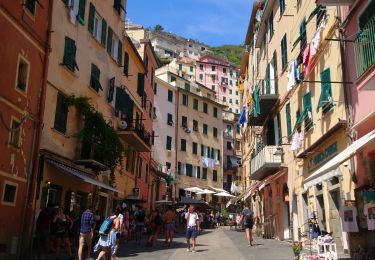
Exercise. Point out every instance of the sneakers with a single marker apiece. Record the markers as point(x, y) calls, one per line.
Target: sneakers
point(193, 251)
point(188, 249)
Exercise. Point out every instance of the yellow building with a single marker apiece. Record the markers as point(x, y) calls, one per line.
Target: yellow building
point(90, 58)
point(295, 118)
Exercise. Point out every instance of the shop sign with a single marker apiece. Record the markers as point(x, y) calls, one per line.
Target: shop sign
point(323, 156)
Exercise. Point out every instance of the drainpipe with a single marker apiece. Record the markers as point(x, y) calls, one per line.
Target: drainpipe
point(176, 136)
point(29, 203)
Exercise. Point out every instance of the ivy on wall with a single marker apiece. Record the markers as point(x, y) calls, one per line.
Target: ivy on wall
point(96, 132)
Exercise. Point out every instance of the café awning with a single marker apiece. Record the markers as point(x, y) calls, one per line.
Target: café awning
point(330, 169)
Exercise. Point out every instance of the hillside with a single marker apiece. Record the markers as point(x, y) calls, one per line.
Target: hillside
point(232, 52)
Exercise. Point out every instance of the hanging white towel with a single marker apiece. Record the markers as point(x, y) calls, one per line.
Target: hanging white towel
point(295, 142)
point(301, 136)
point(72, 16)
point(204, 161)
point(316, 39)
point(291, 76)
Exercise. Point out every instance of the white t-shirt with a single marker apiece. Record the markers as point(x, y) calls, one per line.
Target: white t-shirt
point(192, 220)
point(348, 215)
point(369, 211)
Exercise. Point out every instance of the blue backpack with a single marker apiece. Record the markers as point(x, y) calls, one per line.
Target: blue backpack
point(106, 227)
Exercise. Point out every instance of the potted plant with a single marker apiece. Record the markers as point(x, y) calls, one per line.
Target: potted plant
point(297, 248)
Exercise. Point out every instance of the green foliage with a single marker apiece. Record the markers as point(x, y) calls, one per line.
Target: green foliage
point(232, 52)
point(162, 61)
point(224, 213)
point(297, 247)
point(158, 28)
point(97, 133)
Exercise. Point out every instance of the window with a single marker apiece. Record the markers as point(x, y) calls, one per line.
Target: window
point(288, 119)
point(284, 53)
point(179, 66)
point(224, 70)
point(215, 132)
point(95, 78)
point(187, 86)
point(30, 6)
point(141, 84)
point(307, 112)
point(22, 74)
point(184, 122)
point(183, 145)
point(168, 164)
point(173, 78)
point(201, 76)
point(170, 95)
point(170, 119)
point(114, 46)
point(195, 148)
point(97, 26)
point(189, 170)
point(205, 128)
point(9, 193)
point(191, 68)
point(215, 111)
point(204, 173)
point(195, 104)
point(195, 125)
point(140, 167)
point(179, 166)
point(214, 175)
point(205, 108)
point(61, 113)
point(118, 5)
point(203, 150)
point(155, 88)
point(15, 133)
point(236, 93)
point(185, 100)
point(280, 136)
point(169, 143)
point(146, 173)
point(213, 77)
point(325, 100)
point(230, 92)
point(198, 172)
point(282, 6)
point(213, 87)
point(153, 137)
point(218, 157)
point(213, 68)
point(201, 67)
point(236, 101)
point(230, 100)
point(69, 59)
point(231, 82)
point(224, 99)
point(126, 67)
point(270, 25)
point(229, 145)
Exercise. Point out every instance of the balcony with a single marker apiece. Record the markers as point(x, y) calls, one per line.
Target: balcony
point(264, 98)
point(90, 156)
point(265, 163)
point(364, 48)
point(135, 135)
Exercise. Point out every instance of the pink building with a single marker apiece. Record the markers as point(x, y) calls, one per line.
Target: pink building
point(359, 27)
point(220, 76)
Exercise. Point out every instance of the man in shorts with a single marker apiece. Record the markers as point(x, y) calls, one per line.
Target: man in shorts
point(247, 218)
point(86, 232)
point(192, 220)
point(169, 220)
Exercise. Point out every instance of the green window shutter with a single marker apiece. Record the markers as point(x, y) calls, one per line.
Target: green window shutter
point(204, 174)
point(284, 52)
point(195, 148)
point(307, 110)
point(218, 155)
point(81, 11)
point(198, 172)
point(208, 152)
point(215, 132)
point(61, 113)
point(205, 108)
point(215, 111)
point(170, 95)
point(202, 150)
point(104, 32)
point(70, 49)
point(95, 78)
point(126, 64)
point(187, 86)
point(191, 68)
point(141, 84)
point(212, 153)
point(91, 18)
point(109, 40)
point(288, 120)
point(205, 129)
point(279, 129)
point(119, 53)
point(268, 85)
point(275, 72)
point(282, 6)
point(325, 100)
point(195, 104)
point(179, 66)
point(169, 143)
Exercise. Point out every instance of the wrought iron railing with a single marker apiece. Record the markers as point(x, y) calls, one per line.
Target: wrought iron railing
point(364, 48)
point(268, 155)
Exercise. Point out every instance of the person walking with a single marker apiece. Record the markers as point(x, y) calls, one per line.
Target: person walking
point(192, 221)
point(169, 220)
point(156, 225)
point(238, 220)
point(42, 232)
point(139, 216)
point(86, 232)
point(63, 224)
point(108, 240)
point(247, 218)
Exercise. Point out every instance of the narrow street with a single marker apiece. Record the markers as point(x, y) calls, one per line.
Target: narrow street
point(221, 243)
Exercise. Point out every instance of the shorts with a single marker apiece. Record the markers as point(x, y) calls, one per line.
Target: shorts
point(43, 235)
point(85, 239)
point(191, 232)
point(250, 225)
point(168, 226)
point(138, 228)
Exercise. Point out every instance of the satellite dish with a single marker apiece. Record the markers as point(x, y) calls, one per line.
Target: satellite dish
point(122, 124)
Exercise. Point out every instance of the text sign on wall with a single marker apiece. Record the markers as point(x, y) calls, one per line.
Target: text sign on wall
point(323, 156)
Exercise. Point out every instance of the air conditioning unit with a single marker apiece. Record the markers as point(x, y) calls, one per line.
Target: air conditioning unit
point(122, 124)
point(136, 192)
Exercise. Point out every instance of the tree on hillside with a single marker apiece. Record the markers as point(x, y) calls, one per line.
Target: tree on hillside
point(158, 28)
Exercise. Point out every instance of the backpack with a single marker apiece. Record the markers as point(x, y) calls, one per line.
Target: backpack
point(249, 217)
point(140, 216)
point(106, 227)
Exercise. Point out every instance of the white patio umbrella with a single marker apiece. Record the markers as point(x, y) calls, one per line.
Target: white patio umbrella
point(206, 191)
point(224, 194)
point(218, 190)
point(194, 189)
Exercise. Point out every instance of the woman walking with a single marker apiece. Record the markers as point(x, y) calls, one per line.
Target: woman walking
point(63, 224)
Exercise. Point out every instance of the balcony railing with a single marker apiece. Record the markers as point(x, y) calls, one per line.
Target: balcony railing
point(364, 48)
point(136, 135)
point(266, 162)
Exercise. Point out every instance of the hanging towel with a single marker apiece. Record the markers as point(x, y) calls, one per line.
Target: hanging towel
point(316, 39)
point(72, 16)
point(242, 116)
point(306, 60)
point(204, 161)
point(301, 136)
point(295, 143)
point(291, 76)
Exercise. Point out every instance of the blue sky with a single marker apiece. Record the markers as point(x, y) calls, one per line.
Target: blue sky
point(214, 22)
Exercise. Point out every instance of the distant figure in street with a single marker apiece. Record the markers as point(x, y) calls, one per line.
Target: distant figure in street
point(86, 232)
point(247, 218)
point(63, 224)
point(192, 220)
point(217, 219)
point(238, 220)
point(156, 225)
point(169, 222)
point(42, 231)
point(139, 216)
